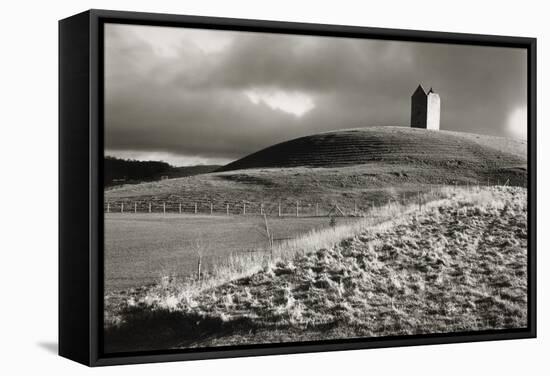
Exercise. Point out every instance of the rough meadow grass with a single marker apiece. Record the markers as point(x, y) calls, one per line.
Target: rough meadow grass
point(459, 264)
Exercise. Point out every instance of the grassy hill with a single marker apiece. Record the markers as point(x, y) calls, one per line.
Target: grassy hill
point(357, 167)
point(401, 145)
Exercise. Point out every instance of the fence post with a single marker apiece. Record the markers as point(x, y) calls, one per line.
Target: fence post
point(262, 208)
point(135, 207)
point(226, 209)
point(122, 207)
point(211, 208)
point(149, 207)
point(317, 209)
point(164, 208)
point(297, 208)
point(199, 269)
point(244, 208)
point(108, 207)
point(279, 209)
point(195, 208)
point(179, 208)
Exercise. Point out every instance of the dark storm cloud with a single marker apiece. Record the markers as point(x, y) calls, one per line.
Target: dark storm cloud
point(191, 95)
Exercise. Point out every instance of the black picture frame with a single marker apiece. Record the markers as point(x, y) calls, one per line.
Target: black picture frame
point(80, 181)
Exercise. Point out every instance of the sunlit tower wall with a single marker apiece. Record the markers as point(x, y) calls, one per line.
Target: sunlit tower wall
point(433, 111)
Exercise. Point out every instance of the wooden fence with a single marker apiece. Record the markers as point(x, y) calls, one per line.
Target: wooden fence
point(283, 208)
point(295, 209)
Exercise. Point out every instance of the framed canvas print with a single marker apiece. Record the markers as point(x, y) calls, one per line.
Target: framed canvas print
point(235, 187)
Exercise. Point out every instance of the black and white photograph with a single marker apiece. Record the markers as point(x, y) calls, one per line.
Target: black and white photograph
point(268, 188)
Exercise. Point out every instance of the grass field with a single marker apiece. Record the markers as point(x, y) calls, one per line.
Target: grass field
point(141, 248)
point(459, 265)
point(355, 167)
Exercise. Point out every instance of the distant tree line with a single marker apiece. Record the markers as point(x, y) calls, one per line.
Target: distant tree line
point(118, 171)
point(121, 171)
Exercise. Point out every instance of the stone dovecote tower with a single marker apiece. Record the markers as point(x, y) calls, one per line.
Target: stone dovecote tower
point(425, 109)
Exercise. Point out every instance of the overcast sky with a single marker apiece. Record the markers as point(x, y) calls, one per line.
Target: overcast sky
point(190, 96)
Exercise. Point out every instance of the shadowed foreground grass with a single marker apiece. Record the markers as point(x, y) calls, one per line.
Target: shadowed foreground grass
point(459, 265)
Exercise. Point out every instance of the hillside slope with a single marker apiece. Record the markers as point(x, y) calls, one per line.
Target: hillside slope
point(393, 279)
point(389, 145)
point(354, 168)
